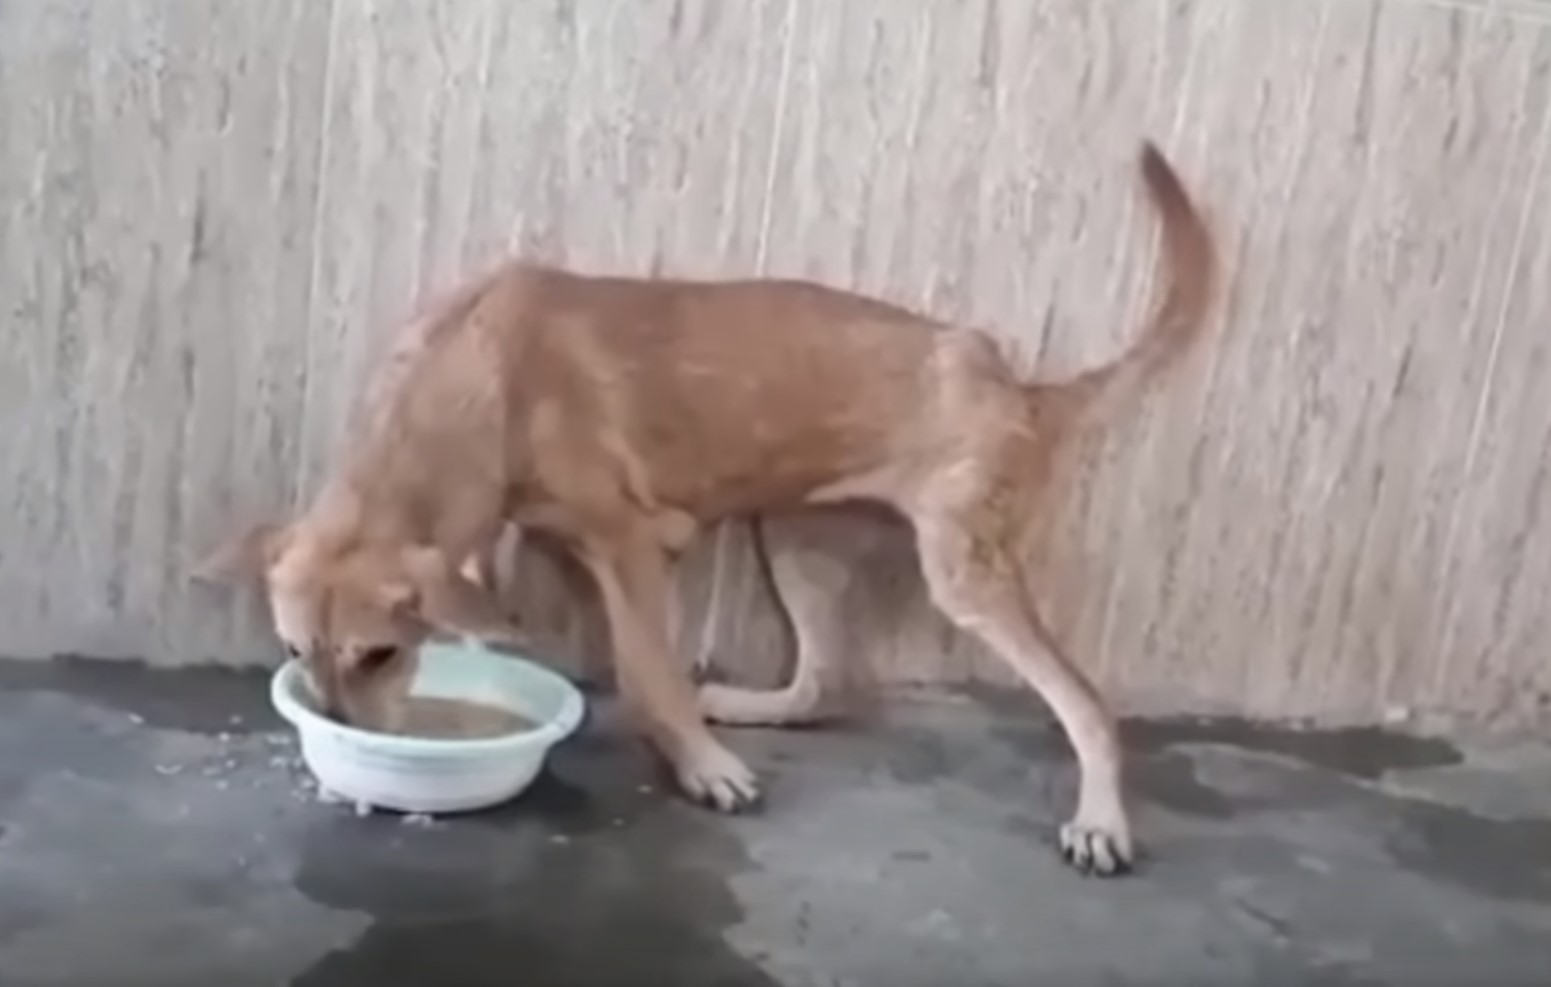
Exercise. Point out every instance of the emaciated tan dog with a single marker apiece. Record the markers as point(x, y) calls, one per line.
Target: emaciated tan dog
point(620, 416)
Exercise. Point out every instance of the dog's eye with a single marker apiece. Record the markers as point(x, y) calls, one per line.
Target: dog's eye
point(373, 659)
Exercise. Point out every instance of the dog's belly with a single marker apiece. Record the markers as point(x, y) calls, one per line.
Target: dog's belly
point(685, 490)
point(751, 476)
point(776, 443)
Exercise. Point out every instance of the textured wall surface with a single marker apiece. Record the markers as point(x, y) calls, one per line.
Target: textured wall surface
point(213, 213)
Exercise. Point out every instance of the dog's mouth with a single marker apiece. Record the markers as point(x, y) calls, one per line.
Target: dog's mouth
point(358, 718)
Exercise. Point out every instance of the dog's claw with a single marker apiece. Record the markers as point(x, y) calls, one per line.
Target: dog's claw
point(1095, 851)
point(718, 779)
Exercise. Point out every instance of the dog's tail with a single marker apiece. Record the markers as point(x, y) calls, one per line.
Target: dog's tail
point(1187, 274)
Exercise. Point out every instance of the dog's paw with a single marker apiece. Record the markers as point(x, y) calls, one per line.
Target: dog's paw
point(716, 777)
point(1097, 851)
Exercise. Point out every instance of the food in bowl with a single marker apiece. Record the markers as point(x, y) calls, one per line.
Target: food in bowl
point(440, 718)
point(489, 758)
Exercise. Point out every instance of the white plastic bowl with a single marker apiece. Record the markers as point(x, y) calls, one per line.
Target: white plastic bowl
point(417, 774)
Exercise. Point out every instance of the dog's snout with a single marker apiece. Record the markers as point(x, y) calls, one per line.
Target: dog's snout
point(326, 695)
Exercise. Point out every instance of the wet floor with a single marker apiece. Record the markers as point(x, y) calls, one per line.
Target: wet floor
point(156, 829)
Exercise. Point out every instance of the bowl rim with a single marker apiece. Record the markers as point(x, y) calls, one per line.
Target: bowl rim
point(543, 735)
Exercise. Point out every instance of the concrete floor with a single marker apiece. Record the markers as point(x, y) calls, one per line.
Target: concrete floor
point(158, 831)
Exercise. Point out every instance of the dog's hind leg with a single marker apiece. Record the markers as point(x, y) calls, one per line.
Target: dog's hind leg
point(811, 578)
point(970, 546)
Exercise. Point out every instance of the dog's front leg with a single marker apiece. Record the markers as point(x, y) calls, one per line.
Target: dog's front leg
point(632, 575)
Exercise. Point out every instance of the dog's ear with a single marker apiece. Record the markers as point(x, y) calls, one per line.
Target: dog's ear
point(448, 600)
point(246, 556)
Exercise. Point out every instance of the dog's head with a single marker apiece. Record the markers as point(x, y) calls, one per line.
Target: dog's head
point(356, 613)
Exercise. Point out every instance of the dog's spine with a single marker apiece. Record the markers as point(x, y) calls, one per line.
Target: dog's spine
point(1188, 274)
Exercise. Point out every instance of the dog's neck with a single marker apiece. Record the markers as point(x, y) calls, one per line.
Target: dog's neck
point(363, 505)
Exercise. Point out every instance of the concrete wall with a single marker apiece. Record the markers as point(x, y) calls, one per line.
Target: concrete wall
point(212, 212)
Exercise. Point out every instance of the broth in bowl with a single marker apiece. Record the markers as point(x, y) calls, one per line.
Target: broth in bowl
point(435, 718)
